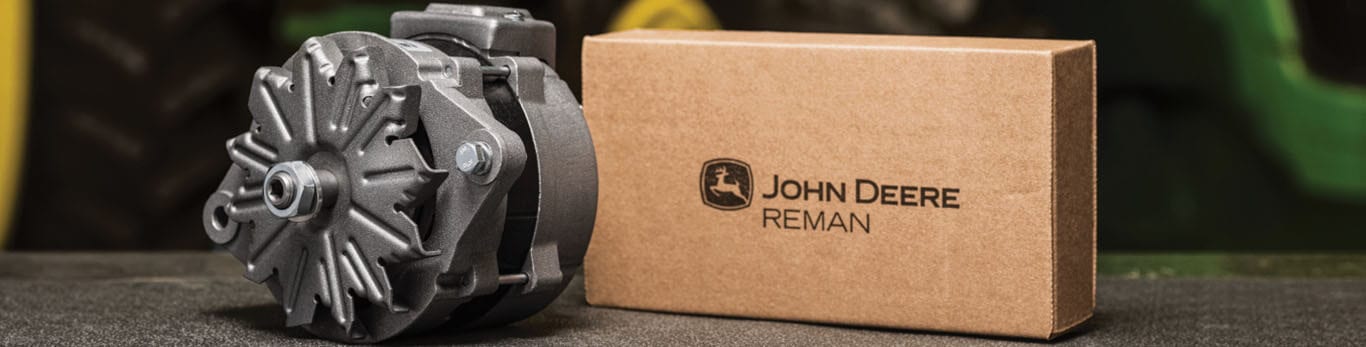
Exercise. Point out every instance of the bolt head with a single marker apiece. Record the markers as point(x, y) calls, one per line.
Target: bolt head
point(472, 158)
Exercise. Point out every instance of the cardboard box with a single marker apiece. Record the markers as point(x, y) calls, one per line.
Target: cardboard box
point(927, 183)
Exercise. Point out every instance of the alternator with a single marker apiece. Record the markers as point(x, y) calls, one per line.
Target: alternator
point(443, 174)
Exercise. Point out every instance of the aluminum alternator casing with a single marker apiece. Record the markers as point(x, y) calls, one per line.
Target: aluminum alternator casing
point(442, 175)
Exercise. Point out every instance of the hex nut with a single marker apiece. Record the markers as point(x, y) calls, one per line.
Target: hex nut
point(292, 190)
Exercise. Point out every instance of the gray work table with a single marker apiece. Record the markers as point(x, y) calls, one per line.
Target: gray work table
point(70, 299)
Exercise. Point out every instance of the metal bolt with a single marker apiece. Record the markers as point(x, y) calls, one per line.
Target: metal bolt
point(472, 158)
point(495, 72)
point(293, 190)
point(511, 279)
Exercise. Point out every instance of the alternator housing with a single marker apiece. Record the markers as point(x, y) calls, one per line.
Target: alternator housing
point(444, 174)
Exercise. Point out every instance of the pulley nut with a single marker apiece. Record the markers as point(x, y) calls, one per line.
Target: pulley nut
point(292, 190)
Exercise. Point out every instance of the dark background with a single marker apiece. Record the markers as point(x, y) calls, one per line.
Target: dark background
point(1224, 125)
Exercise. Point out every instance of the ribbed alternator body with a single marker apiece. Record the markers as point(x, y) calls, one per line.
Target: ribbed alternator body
point(439, 175)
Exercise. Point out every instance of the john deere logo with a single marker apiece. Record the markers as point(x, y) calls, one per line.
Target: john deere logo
point(726, 184)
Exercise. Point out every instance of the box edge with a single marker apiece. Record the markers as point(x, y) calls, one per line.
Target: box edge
point(1068, 310)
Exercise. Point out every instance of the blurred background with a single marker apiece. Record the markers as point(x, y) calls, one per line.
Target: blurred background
point(1225, 125)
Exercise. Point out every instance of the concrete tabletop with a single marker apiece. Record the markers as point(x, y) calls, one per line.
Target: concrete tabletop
point(74, 299)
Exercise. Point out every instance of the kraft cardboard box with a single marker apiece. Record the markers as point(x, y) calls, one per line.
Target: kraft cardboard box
point(925, 183)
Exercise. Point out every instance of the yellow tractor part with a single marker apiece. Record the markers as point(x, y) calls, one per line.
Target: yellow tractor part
point(14, 36)
point(664, 14)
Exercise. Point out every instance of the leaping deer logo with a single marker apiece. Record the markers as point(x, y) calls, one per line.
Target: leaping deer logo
point(725, 184)
point(721, 187)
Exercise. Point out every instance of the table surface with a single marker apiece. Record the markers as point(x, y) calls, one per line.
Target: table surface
point(72, 299)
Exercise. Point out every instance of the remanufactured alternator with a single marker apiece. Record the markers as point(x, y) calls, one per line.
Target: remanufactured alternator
point(443, 174)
